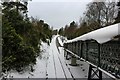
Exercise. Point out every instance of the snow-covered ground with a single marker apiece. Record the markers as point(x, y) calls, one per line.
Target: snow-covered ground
point(52, 64)
point(39, 68)
point(60, 41)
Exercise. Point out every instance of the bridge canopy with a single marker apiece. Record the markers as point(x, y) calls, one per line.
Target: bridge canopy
point(101, 35)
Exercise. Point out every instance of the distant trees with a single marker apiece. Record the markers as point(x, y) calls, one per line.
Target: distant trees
point(69, 31)
point(82, 29)
point(97, 15)
point(61, 31)
point(21, 37)
point(55, 32)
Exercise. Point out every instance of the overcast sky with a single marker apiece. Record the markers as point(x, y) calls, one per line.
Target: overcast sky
point(57, 13)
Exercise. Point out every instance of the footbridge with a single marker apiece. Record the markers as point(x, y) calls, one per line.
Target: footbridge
point(100, 49)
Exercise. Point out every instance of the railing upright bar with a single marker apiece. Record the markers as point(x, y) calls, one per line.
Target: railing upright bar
point(86, 50)
point(81, 49)
point(99, 53)
point(78, 48)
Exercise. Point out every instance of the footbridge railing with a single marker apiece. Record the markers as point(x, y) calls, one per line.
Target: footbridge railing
point(104, 56)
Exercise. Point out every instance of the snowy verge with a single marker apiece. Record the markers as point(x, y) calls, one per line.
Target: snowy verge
point(39, 68)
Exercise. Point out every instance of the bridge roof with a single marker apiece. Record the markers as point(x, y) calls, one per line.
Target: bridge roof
point(101, 35)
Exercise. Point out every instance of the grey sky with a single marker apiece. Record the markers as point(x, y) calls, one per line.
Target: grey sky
point(57, 14)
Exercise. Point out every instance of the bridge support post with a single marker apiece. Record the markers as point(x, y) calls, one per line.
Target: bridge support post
point(94, 73)
point(74, 61)
point(67, 56)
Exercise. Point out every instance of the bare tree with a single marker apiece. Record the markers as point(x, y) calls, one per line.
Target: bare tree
point(100, 14)
point(108, 13)
point(117, 19)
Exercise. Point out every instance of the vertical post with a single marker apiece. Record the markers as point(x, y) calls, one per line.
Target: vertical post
point(75, 48)
point(73, 59)
point(100, 75)
point(89, 72)
point(64, 47)
point(99, 55)
point(78, 47)
point(99, 59)
point(81, 51)
point(72, 46)
point(87, 50)
point(93, 71)
point(66, 53)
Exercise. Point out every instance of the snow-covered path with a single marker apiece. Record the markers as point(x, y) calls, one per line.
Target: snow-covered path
point(54, 63)
point(56, 67)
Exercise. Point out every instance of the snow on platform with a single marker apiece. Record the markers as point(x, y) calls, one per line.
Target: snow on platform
point(64, 64)
point(79, 71)
point(54, 62)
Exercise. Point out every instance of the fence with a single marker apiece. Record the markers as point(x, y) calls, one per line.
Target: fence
point(106, 56)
